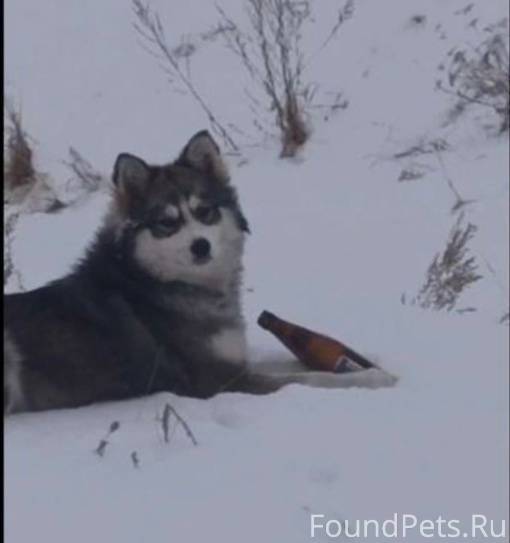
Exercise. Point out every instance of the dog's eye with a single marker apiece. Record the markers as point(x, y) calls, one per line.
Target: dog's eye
point(208, 214)
point(165, 226)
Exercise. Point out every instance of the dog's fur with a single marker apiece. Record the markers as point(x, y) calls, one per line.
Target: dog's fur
point(141, 312)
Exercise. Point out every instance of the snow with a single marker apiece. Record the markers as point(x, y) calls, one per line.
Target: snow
point(336, 242)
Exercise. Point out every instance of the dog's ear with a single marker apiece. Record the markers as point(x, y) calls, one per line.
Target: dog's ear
point(130, 174)
point(242, 222)
point(203, 154)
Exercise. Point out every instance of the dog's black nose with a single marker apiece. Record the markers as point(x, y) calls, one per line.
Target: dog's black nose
point(200, 248)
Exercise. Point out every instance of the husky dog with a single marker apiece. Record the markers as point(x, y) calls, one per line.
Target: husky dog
point(155, 303)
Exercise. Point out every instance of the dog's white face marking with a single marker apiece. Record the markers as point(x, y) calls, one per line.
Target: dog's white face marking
point(172, 211)
point(170, 258)
point(230, 345)
point(194, 202)
point(12, 375)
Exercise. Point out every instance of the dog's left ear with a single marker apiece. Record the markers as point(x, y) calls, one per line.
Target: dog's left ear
point(203, 154)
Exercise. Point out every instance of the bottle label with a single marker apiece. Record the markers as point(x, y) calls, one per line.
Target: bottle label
point(345, 365)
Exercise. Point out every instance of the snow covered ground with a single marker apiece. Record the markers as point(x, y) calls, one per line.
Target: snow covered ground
point(337, 241)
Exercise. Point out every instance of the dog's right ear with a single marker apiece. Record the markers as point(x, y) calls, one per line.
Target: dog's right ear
point(203, 154)
point(130, 174)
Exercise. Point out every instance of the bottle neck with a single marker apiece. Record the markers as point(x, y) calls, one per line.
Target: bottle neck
point(269, 321)
point(284, 330)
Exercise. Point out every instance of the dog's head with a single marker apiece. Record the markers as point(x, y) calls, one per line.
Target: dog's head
point(184, 218)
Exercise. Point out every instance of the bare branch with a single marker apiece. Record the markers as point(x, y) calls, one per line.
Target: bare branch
point(101, 448)
point(103, 443)
point(270, 51)
point(89, 178)
point(165, 424)
point(150, 28)
point(344, 14)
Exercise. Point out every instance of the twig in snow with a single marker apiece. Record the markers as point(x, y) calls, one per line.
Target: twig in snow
point(168, 411)
point(101, 448)
point(89, 178)
point(114, 426)
point(460, 202)
point(135, 460)
point(344, 14)
point(424, 148)
point(103, 443)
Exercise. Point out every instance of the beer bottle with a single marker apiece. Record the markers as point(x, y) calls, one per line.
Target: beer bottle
point(313, 349)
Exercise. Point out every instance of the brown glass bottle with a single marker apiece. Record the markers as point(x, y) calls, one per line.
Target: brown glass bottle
point(313, 349)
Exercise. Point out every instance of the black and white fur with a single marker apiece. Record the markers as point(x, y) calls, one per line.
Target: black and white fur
point(155, 303)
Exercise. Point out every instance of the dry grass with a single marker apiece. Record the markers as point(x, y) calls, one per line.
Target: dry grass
point(19, 169)
point(150, 29)
point(451, 271)
point(481, 76)
point(271, 51)
point(89, 178)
